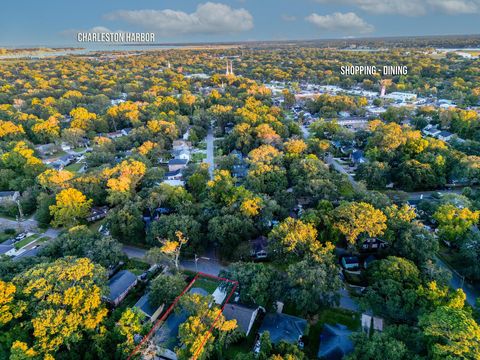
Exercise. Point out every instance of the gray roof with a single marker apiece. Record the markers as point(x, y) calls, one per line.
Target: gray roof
point(177, 162)
point(7, 193)
point(283, 327)
point(335, 342)
point(145, 306)
point(242, 314)
point(445, 134)
point(5, 248)
point(120, 282)
point(167, 335)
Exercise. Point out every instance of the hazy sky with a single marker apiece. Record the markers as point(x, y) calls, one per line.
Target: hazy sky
point(55, 22)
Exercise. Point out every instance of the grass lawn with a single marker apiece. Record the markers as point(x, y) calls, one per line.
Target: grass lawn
point(208, 285)
point(198, 157)
point(136, 266)
point(202, 145)
point(74, 167)
point(26, 241)
point(96, 225)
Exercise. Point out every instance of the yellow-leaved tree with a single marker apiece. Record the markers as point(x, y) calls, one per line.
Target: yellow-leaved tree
point(55, 179)
point(354, 219)
point(205, 330)
point(64, 305)
point(70, 209)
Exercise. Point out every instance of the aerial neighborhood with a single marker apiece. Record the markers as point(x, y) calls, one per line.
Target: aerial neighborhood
point(241, 202)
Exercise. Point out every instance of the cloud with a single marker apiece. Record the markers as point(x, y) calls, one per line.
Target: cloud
point(289, 18)
point(412, 7)
point(208, 18)
point(453, 7)
point(349, 23)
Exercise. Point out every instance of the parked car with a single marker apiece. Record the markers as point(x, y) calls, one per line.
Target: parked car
point(21, 236)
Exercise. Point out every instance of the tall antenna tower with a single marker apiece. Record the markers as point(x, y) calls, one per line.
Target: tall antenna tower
point(228, 69)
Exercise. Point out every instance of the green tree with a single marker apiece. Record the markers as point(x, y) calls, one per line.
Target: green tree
point(228, 232)
point(258, 284)
point(313, 284)
point(165, 288)
point(392, 289)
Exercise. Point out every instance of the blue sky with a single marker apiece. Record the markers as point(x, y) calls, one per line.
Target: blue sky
point(55, 22)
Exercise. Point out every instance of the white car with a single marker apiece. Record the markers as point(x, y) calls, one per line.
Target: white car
point(21, 236)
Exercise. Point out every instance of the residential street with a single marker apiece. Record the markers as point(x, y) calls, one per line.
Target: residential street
point(337, 166)
point(211, 266)
point(456, 282)
point(210, 152)
point(28, 224)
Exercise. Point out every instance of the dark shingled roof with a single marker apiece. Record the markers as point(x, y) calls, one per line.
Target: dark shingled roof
point(335, 342)
point(120, 282)
point(283, 327)
point(177, 162)
point(242, 314)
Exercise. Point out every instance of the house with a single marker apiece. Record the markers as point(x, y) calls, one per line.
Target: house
point(7, 246)
point(240, 168)
point(120, 285)
point(283, 327)
point(166, 336)
point(401, 96)
point(350, 262)
point(373, 245)
point(181, 144)
point(357, 157)
point(8, 196)
point(245, 316)
point(445, 135)
point(115, 134)
point(259, 247)
point(174, 175)
point(335, 342)
point(97, 213)
point(46, 149)
point(150, 311)
point(182, 153)
point(431, 130)
point(177, 164)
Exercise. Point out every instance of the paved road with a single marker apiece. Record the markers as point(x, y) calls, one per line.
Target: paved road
point(417, 196)
point(457, 282)
point(211, 266)
point(305, 131)
point(337, 166)
point(346, 302)
point(210, 153)
point(29, 224)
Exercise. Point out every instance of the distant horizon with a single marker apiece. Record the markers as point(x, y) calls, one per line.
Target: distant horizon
point(95, 46)
point(54, 23)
